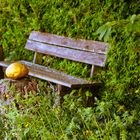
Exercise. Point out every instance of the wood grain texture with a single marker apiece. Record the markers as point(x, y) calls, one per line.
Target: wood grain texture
point(52, 75)
point(80, 44)
point(68, 53)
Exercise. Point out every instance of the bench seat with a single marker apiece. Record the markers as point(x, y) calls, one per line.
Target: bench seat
point(53, 75)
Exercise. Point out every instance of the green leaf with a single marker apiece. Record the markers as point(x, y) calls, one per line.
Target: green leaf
point(107, 35)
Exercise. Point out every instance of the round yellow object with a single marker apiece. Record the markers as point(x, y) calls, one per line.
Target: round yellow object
point(16, 70)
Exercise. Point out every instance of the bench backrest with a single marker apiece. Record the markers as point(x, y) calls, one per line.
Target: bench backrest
point(81, 50)
point(86, 51)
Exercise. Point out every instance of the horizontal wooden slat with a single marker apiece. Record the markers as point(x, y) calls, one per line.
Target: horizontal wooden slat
point(62, 52)
point(52, 75)
point(80, 44)
point(4, 63)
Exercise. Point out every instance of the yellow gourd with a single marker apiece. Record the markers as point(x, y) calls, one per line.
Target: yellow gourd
point(16, 70)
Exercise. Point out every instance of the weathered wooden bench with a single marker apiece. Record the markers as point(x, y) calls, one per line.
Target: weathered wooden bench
point(85, 51)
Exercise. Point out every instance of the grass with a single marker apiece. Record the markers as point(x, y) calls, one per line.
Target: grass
point(34, 117)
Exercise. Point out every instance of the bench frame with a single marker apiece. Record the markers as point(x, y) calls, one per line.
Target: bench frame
point(80, 50)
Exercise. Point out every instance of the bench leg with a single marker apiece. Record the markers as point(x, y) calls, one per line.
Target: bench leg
point(62, 90)
point(1, 73)
point(89, 100)
point(1, 59)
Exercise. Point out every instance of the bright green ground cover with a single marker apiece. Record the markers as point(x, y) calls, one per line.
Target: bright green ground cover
point(117, 112)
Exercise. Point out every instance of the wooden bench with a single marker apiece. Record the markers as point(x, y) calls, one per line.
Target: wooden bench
point(85, 51)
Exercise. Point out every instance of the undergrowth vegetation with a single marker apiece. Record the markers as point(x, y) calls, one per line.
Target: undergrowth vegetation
point(115, 114)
